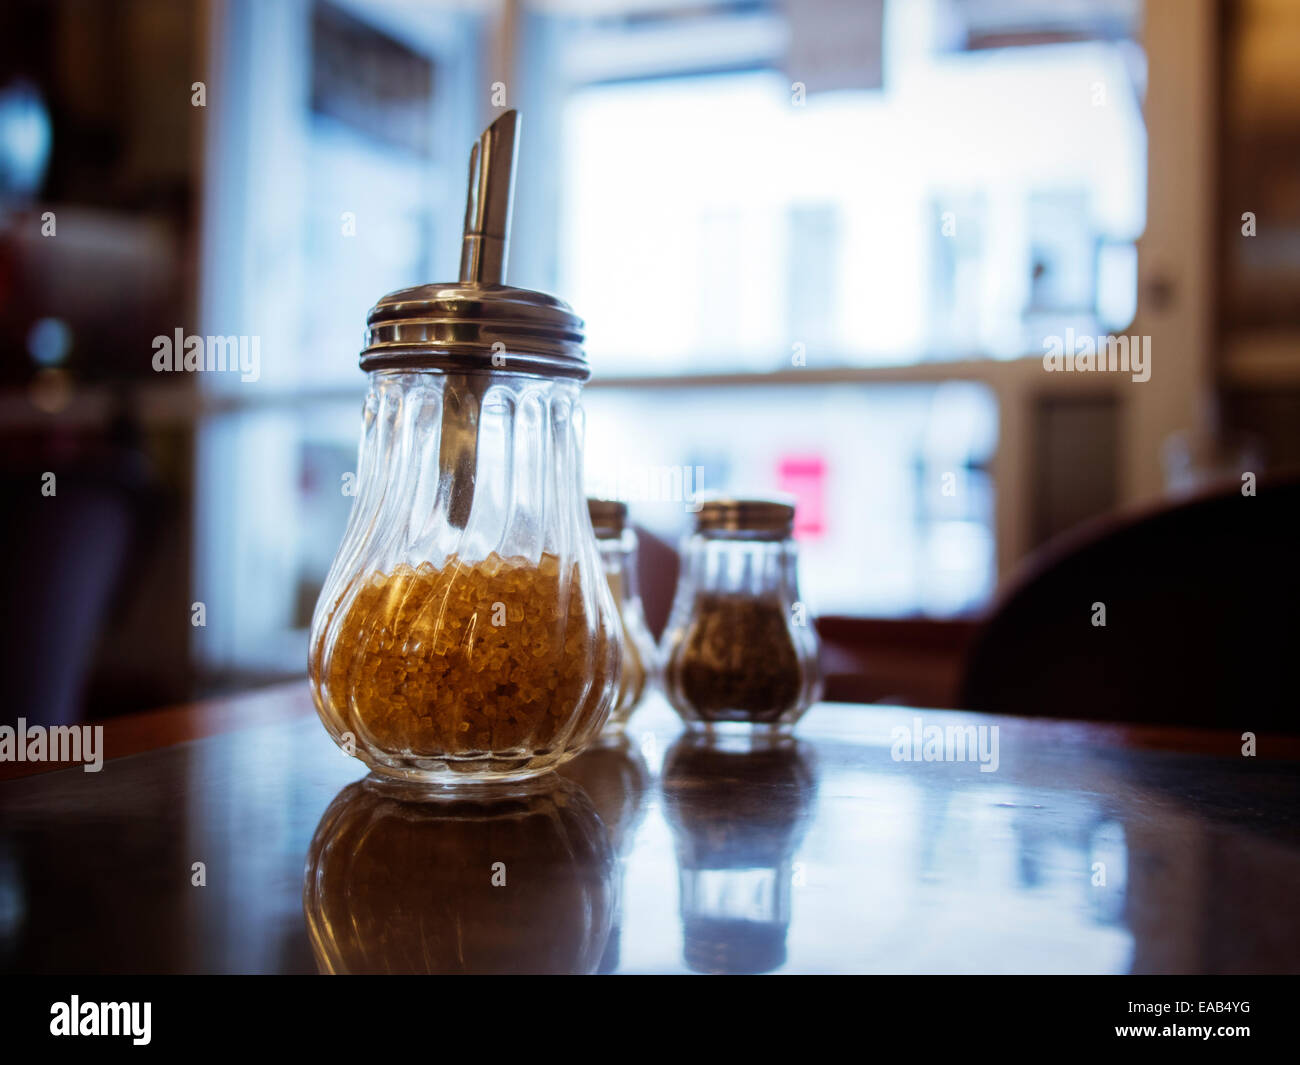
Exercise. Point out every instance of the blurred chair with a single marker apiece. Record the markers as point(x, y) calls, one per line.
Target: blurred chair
point(63, 558)
point(1201, 600)
point(658, 565)
point(901, 661)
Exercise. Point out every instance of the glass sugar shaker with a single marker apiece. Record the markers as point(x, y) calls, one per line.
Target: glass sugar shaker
point(617, 541)
point(740, 648)
point(466, 632)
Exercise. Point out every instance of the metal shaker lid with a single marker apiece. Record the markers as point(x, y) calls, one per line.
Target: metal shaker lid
point(460, 326)
point(608, 517)
point(757, 518)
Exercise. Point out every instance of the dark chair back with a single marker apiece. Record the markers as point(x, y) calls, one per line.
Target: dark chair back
point(61, 558)
point(1201, 600)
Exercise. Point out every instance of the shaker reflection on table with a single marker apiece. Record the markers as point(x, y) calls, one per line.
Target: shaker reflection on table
point(738, 814)
point(521, 882)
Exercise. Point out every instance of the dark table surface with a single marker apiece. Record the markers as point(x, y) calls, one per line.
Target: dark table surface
point(1090, 849)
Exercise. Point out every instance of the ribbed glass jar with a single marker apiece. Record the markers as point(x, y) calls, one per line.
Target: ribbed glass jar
point(741, 647)
point(466, 636)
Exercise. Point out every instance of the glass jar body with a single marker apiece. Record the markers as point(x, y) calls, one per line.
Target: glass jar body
point(618, 554)
point(740, 648)
point(465, 631)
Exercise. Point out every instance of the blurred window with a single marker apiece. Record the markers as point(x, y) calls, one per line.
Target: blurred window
point(340, 179)
point(959, 180)
point(981, 187)
point(894, 503)
point(975, 203)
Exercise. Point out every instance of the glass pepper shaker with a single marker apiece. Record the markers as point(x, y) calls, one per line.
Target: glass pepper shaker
point(465, 631)
point(617, 542)
point(740, 647)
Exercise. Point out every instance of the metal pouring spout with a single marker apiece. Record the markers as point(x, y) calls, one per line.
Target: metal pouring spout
point(485, 248)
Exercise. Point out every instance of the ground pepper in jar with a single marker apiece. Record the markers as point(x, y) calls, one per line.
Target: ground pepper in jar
point(738, 646)
point(480, 656)
point(737, 660)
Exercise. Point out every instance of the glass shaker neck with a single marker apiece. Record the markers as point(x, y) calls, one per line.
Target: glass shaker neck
point(746, 566)
point(619, 553)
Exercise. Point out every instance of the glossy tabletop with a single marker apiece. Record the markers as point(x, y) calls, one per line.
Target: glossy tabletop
point(1089, 849)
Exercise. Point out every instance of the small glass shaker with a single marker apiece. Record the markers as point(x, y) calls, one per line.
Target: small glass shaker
point(741, 648)
point(617, 542)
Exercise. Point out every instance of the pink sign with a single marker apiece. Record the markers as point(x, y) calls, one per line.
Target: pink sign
point(804, 477)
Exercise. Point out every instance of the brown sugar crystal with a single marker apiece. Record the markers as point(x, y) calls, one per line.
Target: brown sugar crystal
point(494, 656)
